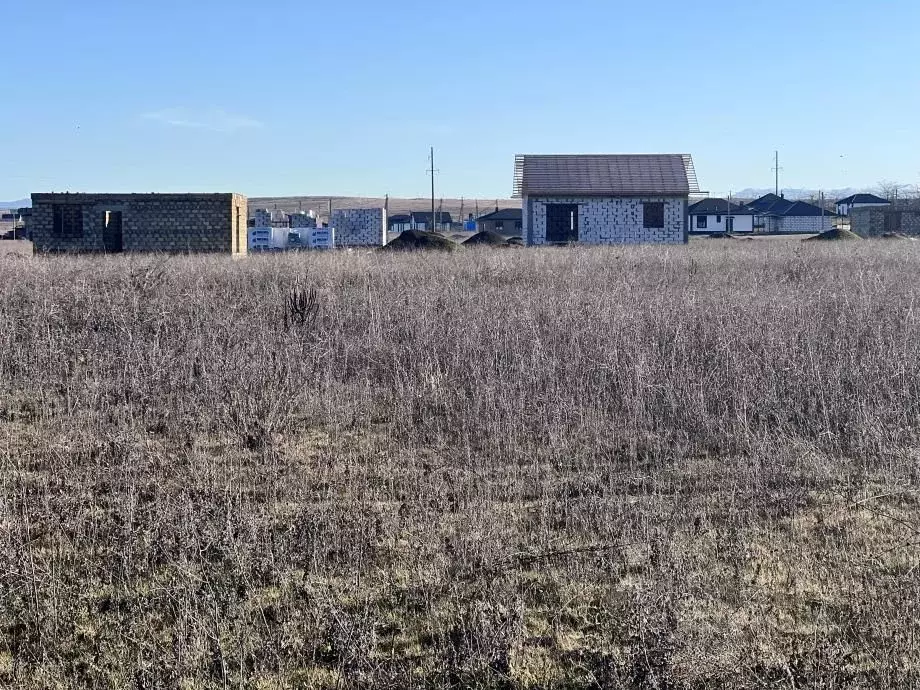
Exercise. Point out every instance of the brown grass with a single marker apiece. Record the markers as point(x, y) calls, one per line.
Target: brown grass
point(683, 467)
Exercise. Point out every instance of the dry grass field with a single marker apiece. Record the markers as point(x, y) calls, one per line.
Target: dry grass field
point(686, 467)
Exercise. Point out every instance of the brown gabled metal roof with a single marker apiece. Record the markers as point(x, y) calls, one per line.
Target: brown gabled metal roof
point(605, 174)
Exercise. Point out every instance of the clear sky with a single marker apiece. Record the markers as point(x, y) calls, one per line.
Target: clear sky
point(345, 97)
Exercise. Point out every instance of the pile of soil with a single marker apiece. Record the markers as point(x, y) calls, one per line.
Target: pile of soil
point(834, 234)
point(895, 236)
point(721, 236)
point(413, 240)
point(489, 238)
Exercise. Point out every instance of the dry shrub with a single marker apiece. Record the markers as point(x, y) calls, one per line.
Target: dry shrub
point(593, 467)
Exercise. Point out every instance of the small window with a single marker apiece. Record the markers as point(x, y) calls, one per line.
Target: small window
point(67, 220)
point(499, 225)
point(701, 222)
point(653, 214)
point(518, 224)
point(718, 219)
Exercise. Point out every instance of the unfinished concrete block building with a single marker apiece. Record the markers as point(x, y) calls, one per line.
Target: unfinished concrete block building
point(113, 223)
point(359, 227)
point(604, 198)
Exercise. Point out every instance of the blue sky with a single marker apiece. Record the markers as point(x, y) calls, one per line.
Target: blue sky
point(345, 97)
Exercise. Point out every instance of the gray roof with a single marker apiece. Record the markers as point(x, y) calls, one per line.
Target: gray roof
point(863, 199)
point(504, 214)
point(717, 207)
point(604, 175)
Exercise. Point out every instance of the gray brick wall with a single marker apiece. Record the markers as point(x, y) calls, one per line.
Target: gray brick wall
point(874, 221)
point(359, 227)
point(302, 220)
point(799, 223)
point(610, 220)
point(150, 222)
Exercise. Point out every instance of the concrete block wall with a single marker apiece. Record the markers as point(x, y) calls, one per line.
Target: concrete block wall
point(359, 227)
point(804, 223)
point(302, 220)
point(874, 221)
point(610, 220)
point(263, 218)
point(150, 222)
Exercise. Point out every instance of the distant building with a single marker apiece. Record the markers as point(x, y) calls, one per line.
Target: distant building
point(718, 215)
point(8, 223)
point(421, 220)
point(359, 227)
point(507, 221)
point(302, 219)
point(262, 218)
point(138, 222)
point(400, 222)
point(604, 199)
point(901, 217)
point(267, 239)
point(774, 213)
point(847, 204)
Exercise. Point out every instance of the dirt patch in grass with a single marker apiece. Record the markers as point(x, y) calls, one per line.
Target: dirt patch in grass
point(834, 235)
point(487, 238)
point(415, 240)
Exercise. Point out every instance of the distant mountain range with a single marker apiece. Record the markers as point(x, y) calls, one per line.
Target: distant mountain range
point(19, 203)
point(829, 194)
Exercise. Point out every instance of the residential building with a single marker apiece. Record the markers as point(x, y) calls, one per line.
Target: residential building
point(421, 220)
point(777, 214)
point(714, 215)
point(505, 221)
point(400, 222)
point(64, 222)
point(847, 204)
point(604, 198)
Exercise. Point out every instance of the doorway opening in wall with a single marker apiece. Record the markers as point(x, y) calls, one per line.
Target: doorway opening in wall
point(562, 222)
point(112, 232)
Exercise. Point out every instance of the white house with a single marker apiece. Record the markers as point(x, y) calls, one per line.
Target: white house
point(604, 198)
point(845, 205)
point(719, 215)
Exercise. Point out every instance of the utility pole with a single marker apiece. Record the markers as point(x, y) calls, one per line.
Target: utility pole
point(431, 229)
point(728, 213)
point(776, 170)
